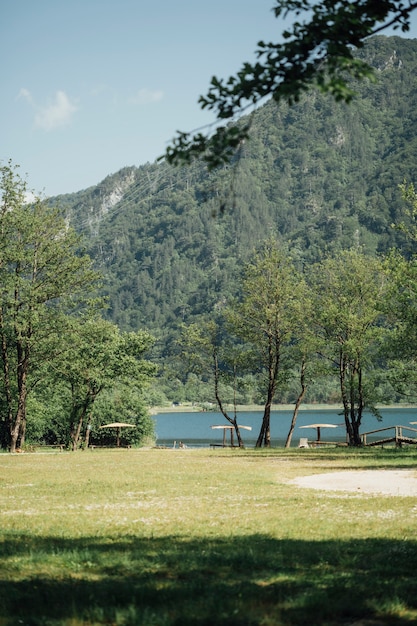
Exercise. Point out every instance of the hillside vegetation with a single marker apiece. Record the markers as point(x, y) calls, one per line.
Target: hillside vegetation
point(321, 176)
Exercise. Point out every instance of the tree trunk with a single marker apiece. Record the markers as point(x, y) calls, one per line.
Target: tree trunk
point(345, 399)
point(223, 411)
point(22, 435)
point(352, 408)
point(87, 434)
point(22, 369)
point(16, 426)
point(297, 404)
point(76, 429)
point(8, 420)
point(78, 414)
point(360, 407)
point(264, 437)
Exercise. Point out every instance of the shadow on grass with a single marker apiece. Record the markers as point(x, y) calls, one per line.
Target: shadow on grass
point(243, 581)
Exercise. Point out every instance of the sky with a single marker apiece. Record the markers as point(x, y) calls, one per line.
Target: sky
point(91, 86)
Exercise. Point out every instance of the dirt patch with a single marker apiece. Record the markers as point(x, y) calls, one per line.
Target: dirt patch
point(378, 482)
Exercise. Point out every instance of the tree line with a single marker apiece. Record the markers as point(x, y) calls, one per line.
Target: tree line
point(350, 317)
point(63, 367)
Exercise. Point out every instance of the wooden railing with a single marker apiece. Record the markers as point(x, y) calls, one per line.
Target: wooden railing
point(398, 436)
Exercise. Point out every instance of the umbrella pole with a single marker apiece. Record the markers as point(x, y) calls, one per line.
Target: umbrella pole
point(318, 434)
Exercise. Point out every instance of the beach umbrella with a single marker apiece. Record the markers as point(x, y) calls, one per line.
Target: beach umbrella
point(318, 427)
point(118, 426)
point(229, 429)
point(239, 425)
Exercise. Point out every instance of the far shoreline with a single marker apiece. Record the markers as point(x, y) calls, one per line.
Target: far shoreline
point(188, 407)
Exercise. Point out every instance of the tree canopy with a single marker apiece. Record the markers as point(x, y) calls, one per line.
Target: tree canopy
point(348, 291)
point(52, 341)
point(43, 276)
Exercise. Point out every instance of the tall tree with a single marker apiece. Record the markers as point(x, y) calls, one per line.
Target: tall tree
point(267, 318)
point(304, 354)
point(401, 309)
point(349, 292)
point(208, 353)
point(317, 51)
point(401, 306)
point(42, 274)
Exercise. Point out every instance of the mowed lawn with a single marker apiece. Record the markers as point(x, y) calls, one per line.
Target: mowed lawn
point(203, 537)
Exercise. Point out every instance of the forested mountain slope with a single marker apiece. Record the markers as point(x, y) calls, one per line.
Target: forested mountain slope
point(320, 175)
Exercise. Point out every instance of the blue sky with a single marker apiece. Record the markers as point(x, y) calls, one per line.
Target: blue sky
point(91, 86)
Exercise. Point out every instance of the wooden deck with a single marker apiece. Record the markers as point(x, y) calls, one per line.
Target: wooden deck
point(398, 435)
point(395, 434)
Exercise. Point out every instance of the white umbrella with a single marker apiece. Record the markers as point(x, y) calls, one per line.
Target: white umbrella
point(230, 428)
point(119, 426)
point(319, 427)
point(239, 425)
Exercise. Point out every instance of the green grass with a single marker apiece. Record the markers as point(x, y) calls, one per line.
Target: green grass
point(202, 537)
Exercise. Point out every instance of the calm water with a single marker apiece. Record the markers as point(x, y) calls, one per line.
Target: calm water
point(194, 429)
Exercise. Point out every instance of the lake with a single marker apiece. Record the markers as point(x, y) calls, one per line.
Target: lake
point(194, 429)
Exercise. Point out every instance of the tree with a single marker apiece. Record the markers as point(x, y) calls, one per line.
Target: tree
point(316, 52)
point(42, 274)
point(408, 225)
point(208, 354)
point(125, 403)
point(267, 318)
point(401, 305)
point(304, 353)
point(96, 357)
point(349, 291)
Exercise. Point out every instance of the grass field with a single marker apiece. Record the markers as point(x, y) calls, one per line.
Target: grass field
point(202, 537)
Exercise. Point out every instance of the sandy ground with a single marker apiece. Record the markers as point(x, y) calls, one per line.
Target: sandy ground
point(377, 482)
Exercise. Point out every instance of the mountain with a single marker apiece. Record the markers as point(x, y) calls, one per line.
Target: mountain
point(319, 176)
